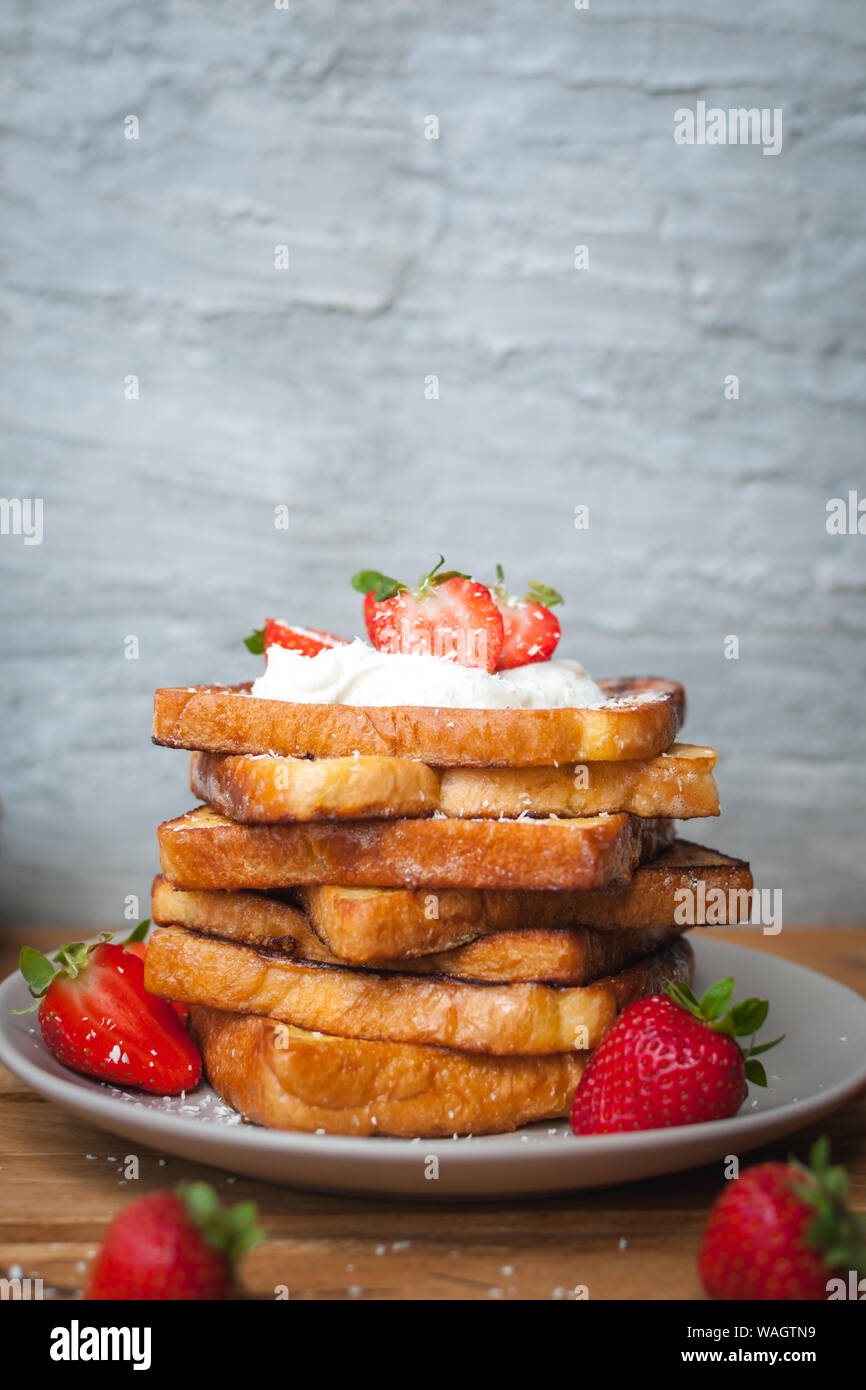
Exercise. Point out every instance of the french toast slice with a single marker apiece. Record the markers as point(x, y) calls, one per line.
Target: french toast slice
point(368, 925)
point(258, 789)
point(362, 1003)
point(640, 719)
point(546, 955)
point(262, 790)
point(289, 1078)
point(678, 783)
point(203, 849)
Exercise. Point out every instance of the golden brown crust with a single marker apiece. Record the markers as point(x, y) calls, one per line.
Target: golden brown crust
point(259, 789)
point(254, 918)
point(678, 783)
point(367, 925)
point(499, 1019)
point(642, 721)
point(543, 955)
point(205, 850)
point(287, 1078)
point(262, 790)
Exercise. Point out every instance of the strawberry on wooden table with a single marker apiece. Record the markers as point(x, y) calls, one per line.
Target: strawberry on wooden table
point(531, 631)
point(181, 1246)
point(783, 1231)
point(309, 641)
point(97, 1018)
point(670, 1059)
point(447, 615)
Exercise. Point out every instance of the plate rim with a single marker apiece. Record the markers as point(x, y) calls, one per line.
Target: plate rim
point(90, 1098)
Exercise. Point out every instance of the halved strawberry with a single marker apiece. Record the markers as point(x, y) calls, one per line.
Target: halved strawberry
point(138, 946)
point(309, 641)
point(531, 631)
point(448, 615)
point(97, 1017)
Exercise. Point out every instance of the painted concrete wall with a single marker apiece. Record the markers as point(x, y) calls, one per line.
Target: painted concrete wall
point(411, 258)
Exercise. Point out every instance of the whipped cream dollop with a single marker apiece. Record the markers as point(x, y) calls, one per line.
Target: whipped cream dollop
point(357, 674)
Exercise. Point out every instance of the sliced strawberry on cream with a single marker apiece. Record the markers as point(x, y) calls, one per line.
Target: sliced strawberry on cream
point(306, 640)
point(531, 632)
point(448, 615)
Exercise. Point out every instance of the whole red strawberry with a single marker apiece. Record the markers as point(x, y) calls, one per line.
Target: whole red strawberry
point(671, 1060)
point(178, 1245)
point(531, 631)
point(97, 1018)
point(448, 615)
point(782, 1231)
point(309, 641)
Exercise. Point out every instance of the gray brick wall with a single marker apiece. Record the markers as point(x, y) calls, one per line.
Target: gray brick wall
point(409, 258)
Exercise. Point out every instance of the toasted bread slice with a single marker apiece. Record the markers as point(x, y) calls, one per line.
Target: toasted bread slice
point(205, 850)
point(258, 789)
point(678, 783)
point(353, 1003)
point(261, 790)
point(288, 1078)
point(548, 956)
point(369, 925)
point(640, 719)
point(253, 918)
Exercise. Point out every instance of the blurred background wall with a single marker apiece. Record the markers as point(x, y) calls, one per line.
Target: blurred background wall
point(168, 381)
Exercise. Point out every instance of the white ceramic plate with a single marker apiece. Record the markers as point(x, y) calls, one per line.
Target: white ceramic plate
point(821, 1064)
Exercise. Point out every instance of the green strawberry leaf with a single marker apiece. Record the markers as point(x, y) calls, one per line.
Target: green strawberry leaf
point(542, 593)
point(735, 1021)
point(716, 1000)
point(838, 1233)
point(75, 958)
point(255, 643)
point(231, 1230)
point(138, 933)
point(747, 1017)
point(755, 1073)
point(819, 1154)
point(39, 971)
point(381, 586)
point(765, 1047)
point(680, 993)
point(36, 968)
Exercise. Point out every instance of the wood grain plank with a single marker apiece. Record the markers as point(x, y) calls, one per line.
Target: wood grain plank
point(60, 1185)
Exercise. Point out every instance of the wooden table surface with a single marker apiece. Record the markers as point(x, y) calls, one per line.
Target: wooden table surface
point(60, 1185)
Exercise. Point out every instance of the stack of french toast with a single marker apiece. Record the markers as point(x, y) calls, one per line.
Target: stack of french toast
point(430, 868)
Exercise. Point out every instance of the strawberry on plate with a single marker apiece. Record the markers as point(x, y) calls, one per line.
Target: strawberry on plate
point(447, 615)
point(530, 630)
point(138, 946)
point(180, 1246)
point(670, 1059)
point(782, 1231)
point(97, 1017)
point(309, 641)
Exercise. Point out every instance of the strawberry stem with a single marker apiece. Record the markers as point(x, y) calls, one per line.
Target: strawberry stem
point(838, 1233)
point(715, 1009)
point(231, 1230)
point(67, 964)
